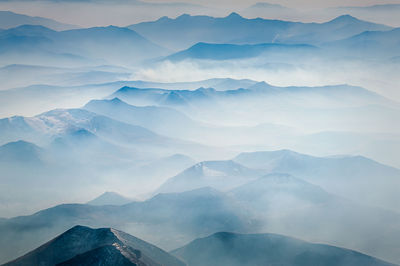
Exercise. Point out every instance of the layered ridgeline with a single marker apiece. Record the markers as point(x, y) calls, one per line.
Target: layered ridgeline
point(35, 44)
point(370, 43)
point(70, 150)
point(267, 249)
point(221, 175)
point(195, 213)
point(106, 246)
point(110, 198)
point(279, 203)
point(211, 51)
point(85, 246)
point(66, 126)
point(10, 19)
point(59, 90)
point(332, 108)
point(185, 31)
point(352, 177)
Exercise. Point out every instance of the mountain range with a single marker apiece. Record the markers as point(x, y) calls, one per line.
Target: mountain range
point(10, 19)
point(106, 246)
point(348, 176)
point(101, 45)
point(210, 51)
point(221, 175)
point(186, 30)
point(149, 220)
point(281, 204)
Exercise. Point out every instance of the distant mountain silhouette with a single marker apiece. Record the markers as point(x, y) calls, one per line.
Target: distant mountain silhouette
point(268, 249)
point(110, 198)
point(210, 51)
point(186, 30)
point(10, 19)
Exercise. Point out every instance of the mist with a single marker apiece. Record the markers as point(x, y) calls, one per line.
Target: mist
point(201, 124)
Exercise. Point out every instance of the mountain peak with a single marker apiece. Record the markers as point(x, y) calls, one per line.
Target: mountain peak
point(110, 198)
point(345, 18)
point(261, 249)
point(116, 100)
point(184, 16)
point(267, 5)
point(82, 245)
point(21, 151)
point(234, 15)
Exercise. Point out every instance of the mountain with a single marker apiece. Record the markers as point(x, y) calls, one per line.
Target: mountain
point(78, 122)
point(333, 108)
point(267, 249)
point(42, 98)
point(109, 198)
point(211, 51)
point(370, 43)
point(10, 19)
point(165, 121)
point(206, 211)
point(106, 246)
point(20, 151)
point(61, 76)
point(165, 167)
point(265, 5)
point(347, 176)
point(279, 189)
point(185, 31)
point(291, 206)
point(221, 175)
point(381, 7)
point(220, 84)
point(331, 96)
point(100, 44)
point(380, 13)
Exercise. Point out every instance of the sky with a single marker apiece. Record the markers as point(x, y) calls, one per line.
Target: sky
point(288, 3)
point(91, 13)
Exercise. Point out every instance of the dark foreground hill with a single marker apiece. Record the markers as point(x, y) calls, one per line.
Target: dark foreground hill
point(85, 246)
point(267, 249)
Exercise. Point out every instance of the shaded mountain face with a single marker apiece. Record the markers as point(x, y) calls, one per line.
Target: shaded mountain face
point(267, 249)
point(205, 211)
point(186, 30)
point(347, 176)
point(105, 255)
point(85, 246)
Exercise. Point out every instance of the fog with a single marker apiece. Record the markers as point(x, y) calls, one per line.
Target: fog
point(243, 125)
